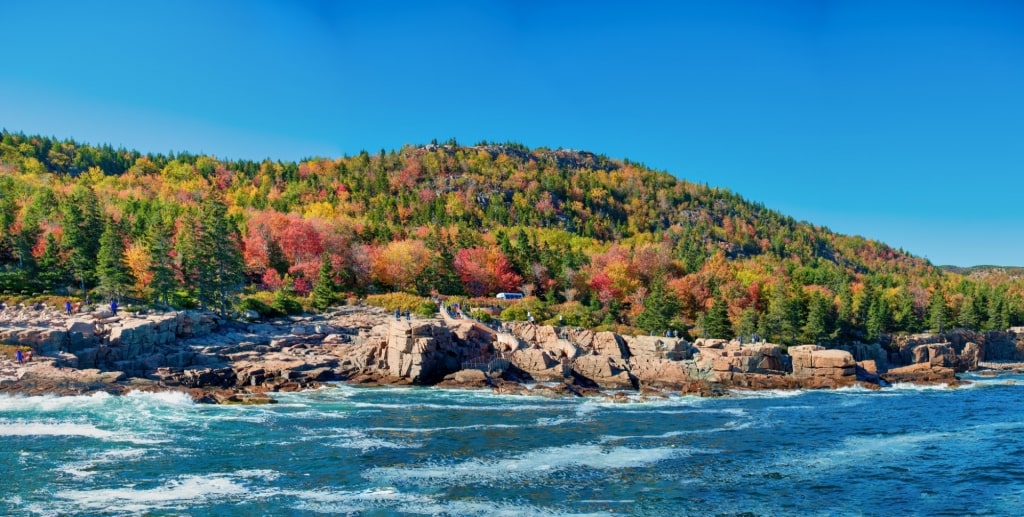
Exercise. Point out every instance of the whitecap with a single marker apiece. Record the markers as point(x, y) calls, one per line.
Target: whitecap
point(535, 463)
point(347, 438)
point(393, 501)
point(52, 403)
point(767, 394)
point(179, 493)
point(85, 468)
point(160, 398)
point(68, 429)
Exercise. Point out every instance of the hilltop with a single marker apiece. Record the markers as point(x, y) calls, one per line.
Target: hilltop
point(591, 240)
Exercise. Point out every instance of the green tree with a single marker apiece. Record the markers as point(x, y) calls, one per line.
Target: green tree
point(716, 321)
point(660, 307)
point(220, 245)
point(158, 242)
point(82, 223)
point(112, 273)
point(968, 316)
point(819, 319)
point(879, 317)
point(323, 291)
point(938, 314)
point(52, 271)
point(747, 326)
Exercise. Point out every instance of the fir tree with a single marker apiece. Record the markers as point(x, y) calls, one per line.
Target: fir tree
point(82, 223)
point(659, 309)
point(323, 291)
point(158, 242)
point(112, 273)
point(937, 312)
point(716, 321)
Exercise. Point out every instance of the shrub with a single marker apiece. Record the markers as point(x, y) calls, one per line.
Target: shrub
point(481, 315)
point(574, 314)
point(259, 306)
point(285, 303)
point(404, 302)
point(426, 309)
point(518, 311)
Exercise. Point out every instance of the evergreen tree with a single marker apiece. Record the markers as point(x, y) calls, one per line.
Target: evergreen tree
point(82, 223)
point(187, 253)
point(968, 316)
point(716, 321)
point(52, 271)
point(844, 315)
point(879, 317)
point(747, 326)
point(323, 291)
point(158, 242)
point(659, 309)
point(817, 327)
point(998, 311)
point(220, 246)
point(112, 273)
point(937, 312)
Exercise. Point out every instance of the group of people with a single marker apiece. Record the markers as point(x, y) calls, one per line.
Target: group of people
point(23, 357)
point(71, 308)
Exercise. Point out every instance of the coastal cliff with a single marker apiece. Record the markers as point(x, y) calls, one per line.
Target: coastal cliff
point(217, 360)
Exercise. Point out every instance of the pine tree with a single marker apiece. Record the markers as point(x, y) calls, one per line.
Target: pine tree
point(187, 253)
point(52, 271)
point(158, 241)
point(323, 291)
point(716, 321)
point(937, 312)
point(659, 309)
point(879, 317)
point(817, 327)
point(968, 316)
point(112, 273)
point(82, 223)
point(220, 244)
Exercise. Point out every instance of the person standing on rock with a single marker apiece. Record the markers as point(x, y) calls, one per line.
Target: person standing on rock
point(67, 307)
point(113, 307)
point(19, 357)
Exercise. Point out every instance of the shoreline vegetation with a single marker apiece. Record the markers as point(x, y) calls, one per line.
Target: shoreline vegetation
point(617, 276)
point(216, 360)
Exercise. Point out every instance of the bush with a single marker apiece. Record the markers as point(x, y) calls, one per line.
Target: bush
point(259, 306)
point(574, 314)
point(286, 304)
point(426, 309)
point(481, 315)
point(404, 302)
point(518, 311)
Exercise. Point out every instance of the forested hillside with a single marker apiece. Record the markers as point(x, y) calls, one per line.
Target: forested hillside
point(593, 240)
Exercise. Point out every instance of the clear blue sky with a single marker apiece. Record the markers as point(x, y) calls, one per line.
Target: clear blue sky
point(898, 120)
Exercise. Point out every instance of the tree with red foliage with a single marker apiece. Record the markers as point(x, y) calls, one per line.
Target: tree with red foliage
point(485, 270)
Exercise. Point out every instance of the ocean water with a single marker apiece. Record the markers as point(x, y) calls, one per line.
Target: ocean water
point(419, 451)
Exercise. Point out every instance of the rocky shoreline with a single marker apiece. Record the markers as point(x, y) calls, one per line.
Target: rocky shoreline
point(221, 361)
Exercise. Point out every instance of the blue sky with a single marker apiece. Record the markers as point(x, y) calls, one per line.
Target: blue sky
point(898, 120)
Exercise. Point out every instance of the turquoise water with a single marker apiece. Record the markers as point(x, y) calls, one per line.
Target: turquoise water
point(418, 451)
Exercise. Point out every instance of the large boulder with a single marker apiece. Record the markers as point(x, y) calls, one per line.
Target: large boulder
point(935, 354)
point(921, 373)
point(538, 364)
point(816, 361)
point(661, 373)
point(969, 358)
point(603, 371)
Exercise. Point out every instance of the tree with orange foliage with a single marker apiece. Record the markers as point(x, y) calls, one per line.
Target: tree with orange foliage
point(485, 270)
point(400, 263)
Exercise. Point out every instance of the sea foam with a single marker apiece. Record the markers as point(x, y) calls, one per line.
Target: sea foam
point(532, 464)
